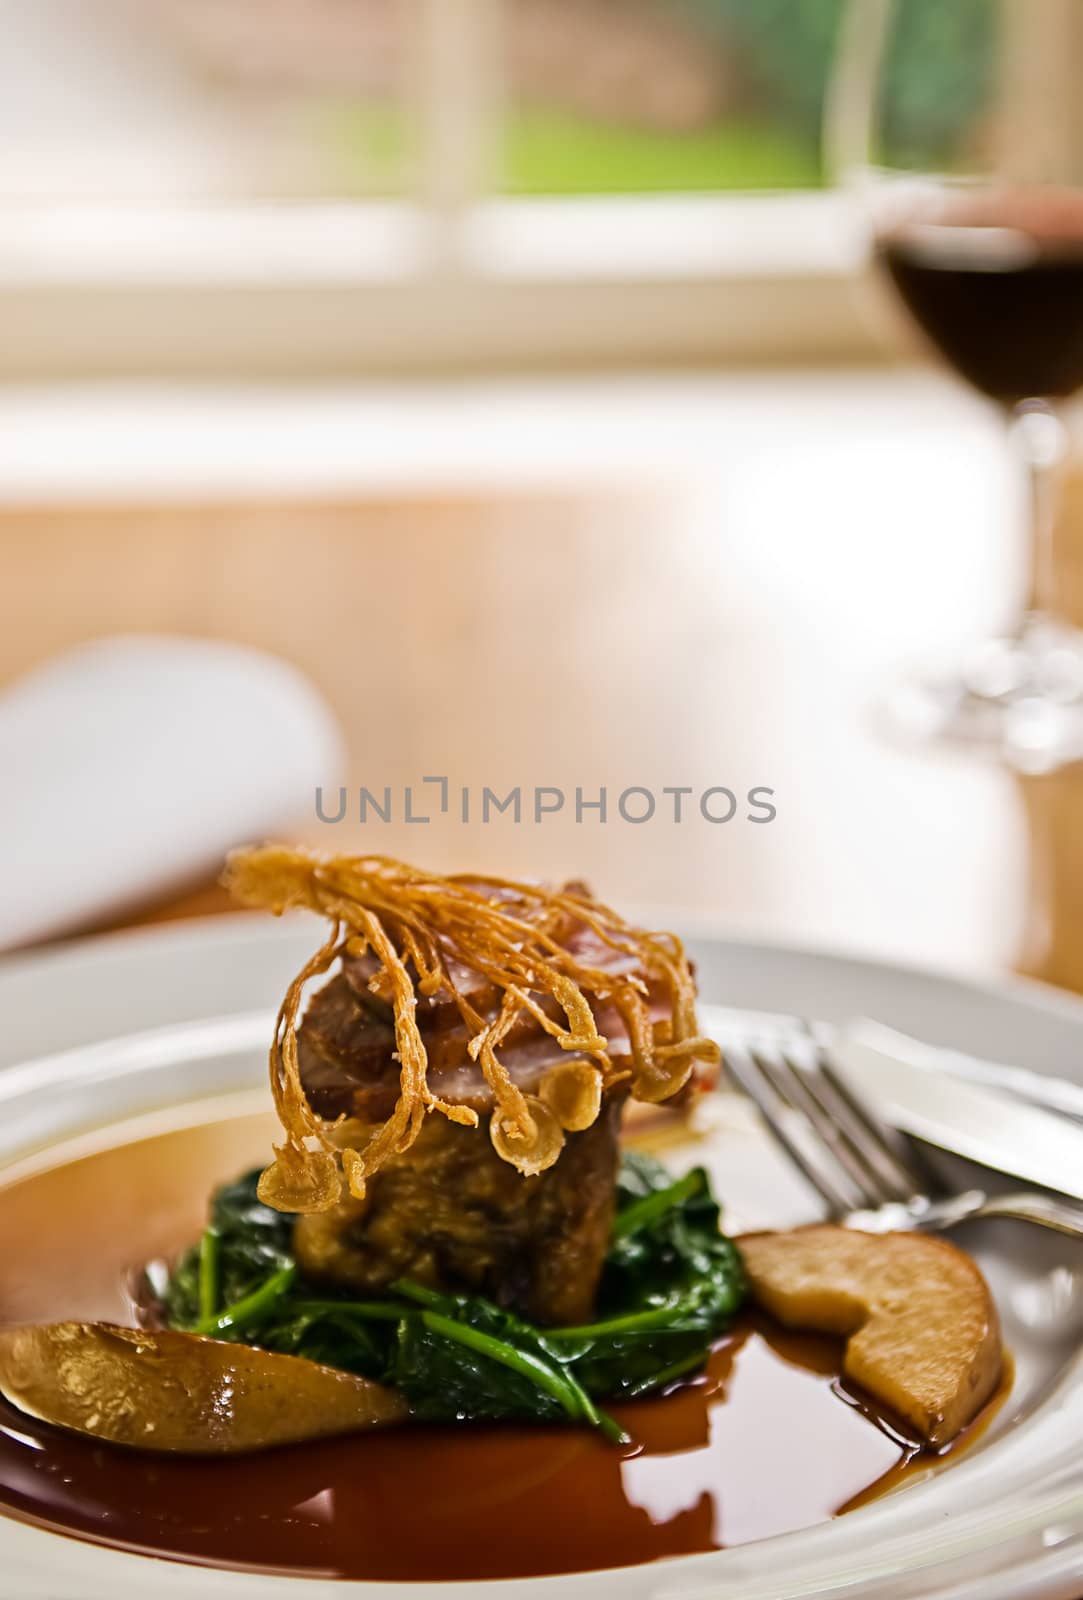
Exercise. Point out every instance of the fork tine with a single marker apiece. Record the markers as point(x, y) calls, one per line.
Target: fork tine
point(796, 1087)
point(782, 1121)
point(851, 1134)
point(902, 1171)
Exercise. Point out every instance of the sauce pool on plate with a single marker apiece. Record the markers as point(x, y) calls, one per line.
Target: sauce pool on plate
point(765, 1441)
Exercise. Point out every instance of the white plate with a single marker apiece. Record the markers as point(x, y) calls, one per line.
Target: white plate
point(131, 1021)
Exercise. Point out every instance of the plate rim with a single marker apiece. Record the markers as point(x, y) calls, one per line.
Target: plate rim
point(258, 926)
point(783, 1568)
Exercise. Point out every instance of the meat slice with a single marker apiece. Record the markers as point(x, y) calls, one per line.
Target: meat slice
point(346, 1043)
point(450, 1212)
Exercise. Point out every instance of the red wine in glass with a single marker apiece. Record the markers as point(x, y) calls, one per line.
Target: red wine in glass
point(973, 198)
point(996, 283)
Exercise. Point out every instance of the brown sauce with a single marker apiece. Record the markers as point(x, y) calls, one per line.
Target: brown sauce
point(766, 1441)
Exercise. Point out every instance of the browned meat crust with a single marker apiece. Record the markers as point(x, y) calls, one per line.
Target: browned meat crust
point(452, 1214)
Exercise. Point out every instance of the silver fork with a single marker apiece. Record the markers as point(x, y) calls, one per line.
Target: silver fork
point(868, 1176)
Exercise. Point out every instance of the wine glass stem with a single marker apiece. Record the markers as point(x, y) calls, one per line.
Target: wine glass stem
point(1040, 443)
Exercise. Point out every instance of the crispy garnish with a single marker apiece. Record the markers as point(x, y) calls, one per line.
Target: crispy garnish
point(418, 927)
point(573, 1092)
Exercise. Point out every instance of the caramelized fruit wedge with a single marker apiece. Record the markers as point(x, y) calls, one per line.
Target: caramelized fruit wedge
point(179, 1392)
point(921, 1327)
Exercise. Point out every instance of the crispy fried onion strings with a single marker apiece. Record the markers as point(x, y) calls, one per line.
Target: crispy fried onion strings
point(421, 929)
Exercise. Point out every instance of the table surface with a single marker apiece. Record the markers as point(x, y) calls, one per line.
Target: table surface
point(698, 583)
point(704, 583)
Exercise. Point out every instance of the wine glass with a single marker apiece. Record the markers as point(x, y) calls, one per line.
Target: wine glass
point(959, 129)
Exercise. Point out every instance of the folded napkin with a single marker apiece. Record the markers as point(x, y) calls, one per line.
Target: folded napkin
point(129, 767)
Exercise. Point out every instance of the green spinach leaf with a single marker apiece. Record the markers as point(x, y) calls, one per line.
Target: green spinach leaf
point(671, 1283)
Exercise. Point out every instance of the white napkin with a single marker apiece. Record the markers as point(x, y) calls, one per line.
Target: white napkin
point(131, 765)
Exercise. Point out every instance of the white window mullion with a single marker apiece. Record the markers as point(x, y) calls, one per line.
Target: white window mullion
point(459, 109)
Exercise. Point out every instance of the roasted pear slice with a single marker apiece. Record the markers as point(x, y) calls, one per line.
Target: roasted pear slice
point(178, 1392)
point(920, 1324)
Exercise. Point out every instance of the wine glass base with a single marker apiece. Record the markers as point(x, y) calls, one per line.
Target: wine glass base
point(1020, 699)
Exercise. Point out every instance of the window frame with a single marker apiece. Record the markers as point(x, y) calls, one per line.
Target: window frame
point(390, 286)
point(449, 278)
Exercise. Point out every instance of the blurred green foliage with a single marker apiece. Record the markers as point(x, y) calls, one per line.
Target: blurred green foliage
point(548, 151)
point(937, 65)
point(782, 53)
point(784, 49)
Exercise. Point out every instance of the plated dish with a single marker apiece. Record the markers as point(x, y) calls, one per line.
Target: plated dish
point(534, 1322)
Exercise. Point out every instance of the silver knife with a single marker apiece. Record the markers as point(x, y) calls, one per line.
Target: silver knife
point(1037, 1088)
point(915, 1093)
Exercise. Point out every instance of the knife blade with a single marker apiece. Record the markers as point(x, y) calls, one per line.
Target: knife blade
point(1037, 1088)
point(917, 1096)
